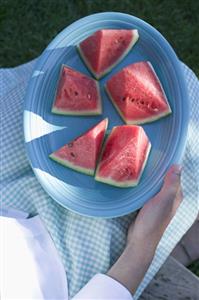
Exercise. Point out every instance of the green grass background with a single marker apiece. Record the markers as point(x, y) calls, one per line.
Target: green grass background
point(27, 26)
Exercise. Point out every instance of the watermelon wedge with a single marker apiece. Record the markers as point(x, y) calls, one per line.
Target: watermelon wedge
point(77, 94)
point(137, 94)
point(106, 48)
point(82, 153)
point(124, 156)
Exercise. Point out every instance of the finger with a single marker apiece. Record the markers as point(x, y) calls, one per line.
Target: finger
point(179, 195)
point(172, 180)
point(178, 200)
point(174, 170)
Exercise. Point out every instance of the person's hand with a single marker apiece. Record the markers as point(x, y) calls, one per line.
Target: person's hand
point(156, 214)
point(144, 235)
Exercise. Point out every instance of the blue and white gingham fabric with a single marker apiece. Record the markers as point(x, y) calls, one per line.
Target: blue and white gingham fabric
point(86, 245)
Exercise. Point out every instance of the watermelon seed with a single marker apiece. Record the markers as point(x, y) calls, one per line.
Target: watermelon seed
point(89, 96)
point(128, 172)
point(129, 99)
point(124, 98)
point(72, 154)
point(76, 93)
point(116, 41)
point(65, 91)
point(154, 107)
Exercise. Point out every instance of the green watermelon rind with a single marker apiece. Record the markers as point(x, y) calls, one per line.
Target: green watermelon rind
point(125, 184)
point(146, 120)
point(99, 76)
point(76, 113)
point(95, 112)
point(66, 163)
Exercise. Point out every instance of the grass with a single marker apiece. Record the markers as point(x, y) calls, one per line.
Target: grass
point(27, 26)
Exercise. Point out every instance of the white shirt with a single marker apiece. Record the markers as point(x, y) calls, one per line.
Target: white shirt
point(31, 268)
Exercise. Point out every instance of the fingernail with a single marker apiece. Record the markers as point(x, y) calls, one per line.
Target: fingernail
point(177, 170)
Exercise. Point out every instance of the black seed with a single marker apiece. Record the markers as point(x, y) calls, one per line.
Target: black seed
point(124, 98)
point(153, 106)
point(72, 154)
point(76, 93)
point(132, 100)
point(142, 102)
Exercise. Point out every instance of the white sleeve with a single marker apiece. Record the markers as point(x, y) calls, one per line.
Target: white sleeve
point(29, 262)
point(103, 287)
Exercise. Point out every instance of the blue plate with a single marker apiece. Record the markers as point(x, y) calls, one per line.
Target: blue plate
point(46, 132)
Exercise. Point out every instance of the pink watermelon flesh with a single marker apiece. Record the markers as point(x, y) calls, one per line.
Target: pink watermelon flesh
point(82, 153)
point(137, 94)
point(105, 48)
point(77, 94)
point(124, 156)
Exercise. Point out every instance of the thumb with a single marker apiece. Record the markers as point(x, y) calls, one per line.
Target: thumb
point(172, 178)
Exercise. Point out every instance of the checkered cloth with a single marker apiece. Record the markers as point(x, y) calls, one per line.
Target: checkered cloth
point(86, 245)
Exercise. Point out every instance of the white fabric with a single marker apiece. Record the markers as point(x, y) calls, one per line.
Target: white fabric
point(31, 268)
point(103, 287)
